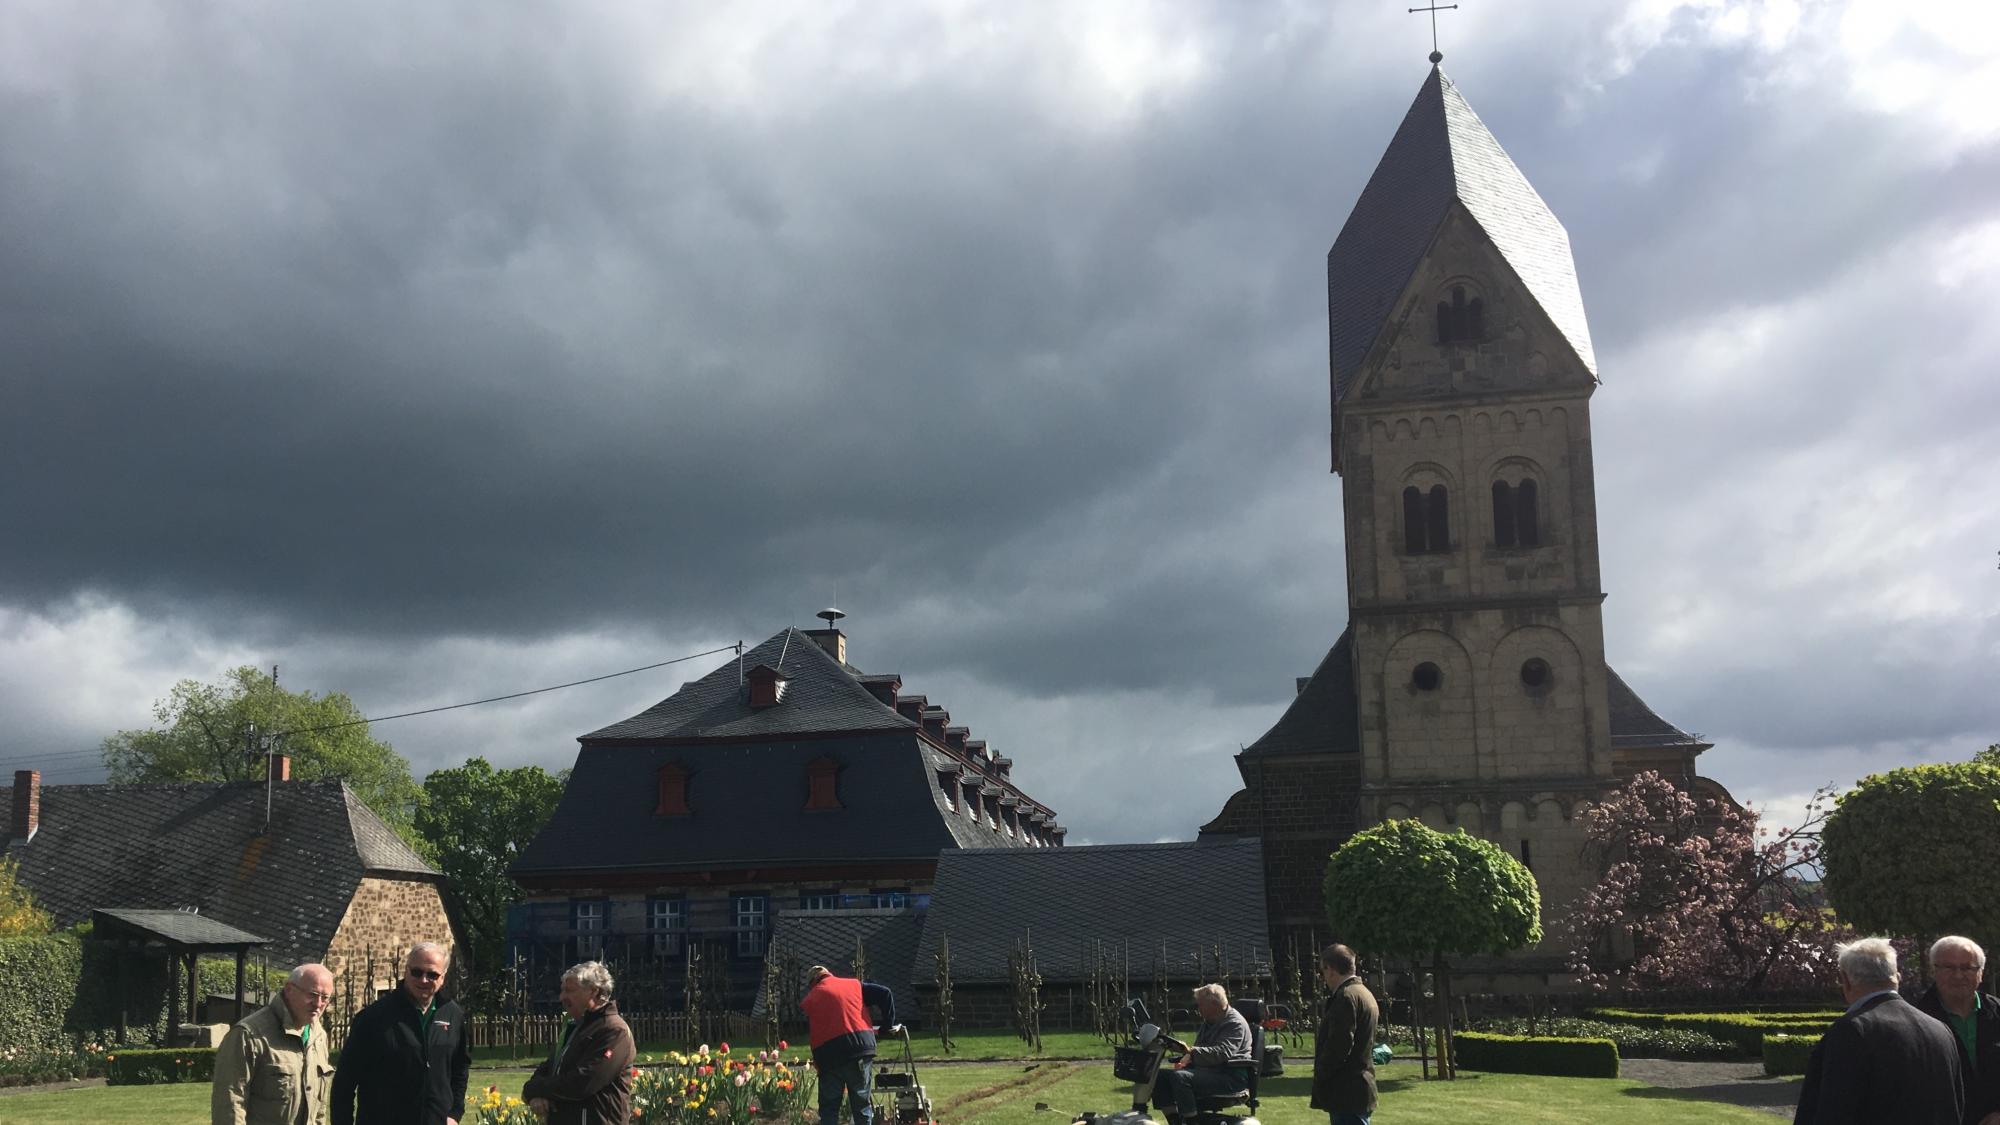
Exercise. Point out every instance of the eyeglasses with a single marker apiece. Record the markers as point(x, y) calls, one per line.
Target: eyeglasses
point(315, 997)
point(1958, 968)
point(426, 974)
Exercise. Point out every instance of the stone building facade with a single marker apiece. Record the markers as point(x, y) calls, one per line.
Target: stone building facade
point(1470, 689)
point(384, 918)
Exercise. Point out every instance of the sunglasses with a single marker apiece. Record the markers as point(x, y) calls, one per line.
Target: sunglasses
point(426, 974)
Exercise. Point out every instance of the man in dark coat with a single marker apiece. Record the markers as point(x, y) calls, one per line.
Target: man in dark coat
point(1957, 964)
point(587, 1079)
point(1883, 1060)
point(1344, 1043)
point(406, 1055)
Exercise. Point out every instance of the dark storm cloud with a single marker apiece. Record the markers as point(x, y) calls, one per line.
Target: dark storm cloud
point(476, 348)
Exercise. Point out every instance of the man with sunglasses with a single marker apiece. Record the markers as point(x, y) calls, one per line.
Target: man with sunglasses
point(406, 1056)
point(271, 1068)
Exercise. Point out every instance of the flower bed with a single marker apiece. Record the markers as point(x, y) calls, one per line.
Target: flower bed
point(29, 1065)
point(151, 1066)
point(701, 1087)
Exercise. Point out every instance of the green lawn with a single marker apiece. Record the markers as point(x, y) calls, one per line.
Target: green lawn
point(1006, 1094)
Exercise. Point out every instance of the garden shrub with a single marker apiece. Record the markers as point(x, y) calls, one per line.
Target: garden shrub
point(38, 978)
point(1787, 1054)
point(1635, 1041)
point(152, 1066)
point(1553, 1055)
point(1745, 1029)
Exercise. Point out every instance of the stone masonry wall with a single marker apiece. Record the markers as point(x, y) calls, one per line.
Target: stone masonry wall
point(384, 919)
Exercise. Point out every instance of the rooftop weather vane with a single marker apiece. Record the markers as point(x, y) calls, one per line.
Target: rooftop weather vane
point(1437, 56)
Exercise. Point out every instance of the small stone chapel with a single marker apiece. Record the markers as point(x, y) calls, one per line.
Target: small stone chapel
point(1469, 689)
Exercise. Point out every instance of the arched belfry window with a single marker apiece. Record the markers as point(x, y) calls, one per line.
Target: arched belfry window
point(1426, 520)
point(1462, 319)
point(1515, 520)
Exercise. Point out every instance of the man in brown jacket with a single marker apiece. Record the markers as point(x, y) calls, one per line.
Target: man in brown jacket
point(1344, 1044)
point(587, 1079)
point(272, 1067)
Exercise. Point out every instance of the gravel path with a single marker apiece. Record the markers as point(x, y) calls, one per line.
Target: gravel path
point(1737, 1083)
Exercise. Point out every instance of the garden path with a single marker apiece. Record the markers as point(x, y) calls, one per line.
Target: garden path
point(1736, 1083)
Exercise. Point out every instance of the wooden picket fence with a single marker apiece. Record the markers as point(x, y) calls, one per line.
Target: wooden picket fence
point(542, 1030)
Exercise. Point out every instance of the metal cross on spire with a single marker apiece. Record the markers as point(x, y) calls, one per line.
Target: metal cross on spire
point(1437, 56)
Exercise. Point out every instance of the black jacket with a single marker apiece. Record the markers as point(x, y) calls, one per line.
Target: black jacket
point(404, 1074)
point(591, 1084)
point(1344, 1050)
point(1982, 1076)
point(1885, 1062)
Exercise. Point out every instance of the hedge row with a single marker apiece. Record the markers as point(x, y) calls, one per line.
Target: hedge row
point(1522, 1054)
point(1787, 1054)
point(152, 1066)
point(1745, 1029)
point(38, 978)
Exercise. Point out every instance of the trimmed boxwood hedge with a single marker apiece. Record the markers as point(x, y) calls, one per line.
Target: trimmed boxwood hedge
point(1787, 1054)
point(1522, 1054)
point(152, 1066)
point(1745, 1029)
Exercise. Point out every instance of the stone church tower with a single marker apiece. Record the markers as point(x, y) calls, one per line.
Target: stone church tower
point(1470, 688)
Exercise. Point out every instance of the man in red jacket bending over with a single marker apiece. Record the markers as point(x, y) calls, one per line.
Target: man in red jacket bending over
point(843, 1040)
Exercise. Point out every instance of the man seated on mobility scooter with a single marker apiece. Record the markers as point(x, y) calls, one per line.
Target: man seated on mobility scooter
point(1220, 1062)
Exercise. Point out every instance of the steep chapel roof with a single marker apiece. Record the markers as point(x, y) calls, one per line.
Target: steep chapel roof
point(1442, 152)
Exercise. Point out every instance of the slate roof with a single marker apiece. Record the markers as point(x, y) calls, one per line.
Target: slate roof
point(1442, 152)
point(746, 780)
point(888, 939)
point(1324, 717)
point(177, 926)
point(821, 694)
point(1633, 724)
point(1135, 898)
point(203, 845)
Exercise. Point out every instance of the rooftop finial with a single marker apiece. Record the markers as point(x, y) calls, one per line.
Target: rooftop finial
point(1437, 56)
point(830, 615)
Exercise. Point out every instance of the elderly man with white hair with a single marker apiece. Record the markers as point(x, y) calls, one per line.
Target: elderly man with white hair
point(587, 1079)
point(272, 1067)
point(1957, 967)
point(1882, 1060)
point(1218, 1063)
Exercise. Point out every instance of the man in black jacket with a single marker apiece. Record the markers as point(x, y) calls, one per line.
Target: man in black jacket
point(406, 1054)
point(1344, 1042)
point(1954, 999)
point(1883, 1060)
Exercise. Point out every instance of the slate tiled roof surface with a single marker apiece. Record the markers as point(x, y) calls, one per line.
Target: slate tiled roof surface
point(1635, 724)
point(888, 939)
point(179, 926)
point(1441, 152)
point(821, 694)
point(1135, 898)
point(1324, 717)
point(204, 845)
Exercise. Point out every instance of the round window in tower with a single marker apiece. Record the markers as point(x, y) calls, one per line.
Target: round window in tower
point(1535, 673)
point(1426, 677)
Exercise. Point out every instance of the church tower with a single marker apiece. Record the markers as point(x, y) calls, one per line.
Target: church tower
point(1470, 689)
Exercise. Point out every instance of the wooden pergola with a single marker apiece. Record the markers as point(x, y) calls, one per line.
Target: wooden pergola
point(185, 937)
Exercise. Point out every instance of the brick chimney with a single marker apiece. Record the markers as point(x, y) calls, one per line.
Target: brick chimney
point(27, 805)
point(279, 767)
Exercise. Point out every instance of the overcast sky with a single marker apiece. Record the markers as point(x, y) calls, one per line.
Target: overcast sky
point(442, 350)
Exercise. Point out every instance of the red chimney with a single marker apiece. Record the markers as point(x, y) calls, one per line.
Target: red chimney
point(27, 804)
point(279, 767)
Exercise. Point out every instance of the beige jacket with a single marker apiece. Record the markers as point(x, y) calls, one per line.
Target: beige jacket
point(265, 1075)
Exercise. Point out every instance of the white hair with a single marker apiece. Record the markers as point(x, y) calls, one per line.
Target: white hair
point(1962, 944)
point(592, 975)
point(439, 951)
point(302, 974)
point(1869, 961)
point(1212, 992)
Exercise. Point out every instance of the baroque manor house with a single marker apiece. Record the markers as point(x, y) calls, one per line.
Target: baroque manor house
point(1469, 689)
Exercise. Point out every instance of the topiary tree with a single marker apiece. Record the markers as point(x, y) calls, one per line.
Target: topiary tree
point(1402, 889)
point(1902, 851)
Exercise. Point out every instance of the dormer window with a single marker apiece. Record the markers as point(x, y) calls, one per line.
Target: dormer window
point(767, 686)
point(1462, 319)
point(822, 792)
point(672, 779)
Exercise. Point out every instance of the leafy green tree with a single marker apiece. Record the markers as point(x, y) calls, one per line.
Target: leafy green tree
point(1400, 889)
point(19, 916)
point(1907, 852)
point(1989, 756)
point(205, 733)
point(475, 821)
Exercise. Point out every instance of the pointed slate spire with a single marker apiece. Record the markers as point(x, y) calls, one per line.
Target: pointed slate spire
point(1441, 152)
